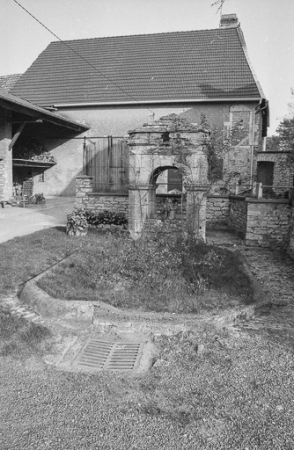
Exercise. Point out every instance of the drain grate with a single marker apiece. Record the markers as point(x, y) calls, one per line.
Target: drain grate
point(104, 355)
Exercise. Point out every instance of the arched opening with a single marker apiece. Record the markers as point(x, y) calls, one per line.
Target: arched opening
point(162, 153)
point(167, 179)
point(166, 194)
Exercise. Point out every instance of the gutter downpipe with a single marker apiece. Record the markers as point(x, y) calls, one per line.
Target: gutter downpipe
point(263, 105)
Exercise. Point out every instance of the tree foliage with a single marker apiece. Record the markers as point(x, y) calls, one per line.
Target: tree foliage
point(284, 141)
point(286, 134)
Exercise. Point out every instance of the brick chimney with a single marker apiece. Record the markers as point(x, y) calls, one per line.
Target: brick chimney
point(229, 21)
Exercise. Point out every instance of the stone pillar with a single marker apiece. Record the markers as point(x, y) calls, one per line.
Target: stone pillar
point(138, 208)
point(5, 161)
point(151, 202)
point(84, 187)
point(196, 210)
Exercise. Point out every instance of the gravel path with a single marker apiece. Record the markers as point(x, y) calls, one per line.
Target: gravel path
point(234, 393)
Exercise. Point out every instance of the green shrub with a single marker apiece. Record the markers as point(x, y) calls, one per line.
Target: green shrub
point(106, 218)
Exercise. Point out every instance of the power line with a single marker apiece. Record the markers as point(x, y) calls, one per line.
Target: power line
point(84, 59)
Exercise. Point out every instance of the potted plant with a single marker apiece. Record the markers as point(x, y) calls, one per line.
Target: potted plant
point(77, 224)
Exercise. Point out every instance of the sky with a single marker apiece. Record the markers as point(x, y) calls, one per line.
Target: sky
point(267, 26)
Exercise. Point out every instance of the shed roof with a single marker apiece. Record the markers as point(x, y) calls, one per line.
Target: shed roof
point(8, 81)
point(13, 103)
point(201, 65)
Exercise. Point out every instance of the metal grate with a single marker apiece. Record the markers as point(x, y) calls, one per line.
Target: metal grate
point(104, 355)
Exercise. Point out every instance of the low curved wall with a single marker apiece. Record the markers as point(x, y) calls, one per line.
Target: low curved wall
point(49, 307)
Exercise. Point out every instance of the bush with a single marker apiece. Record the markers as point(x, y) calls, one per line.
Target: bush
point(106, 218)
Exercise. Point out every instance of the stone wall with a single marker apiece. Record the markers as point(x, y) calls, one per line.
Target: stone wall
point(217, 210)
point(263, 222)
point(238, 215)
point(268, 223)
point(291, 234)
point(86, 199)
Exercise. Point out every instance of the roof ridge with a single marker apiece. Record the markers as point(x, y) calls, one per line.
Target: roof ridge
point(144, 34)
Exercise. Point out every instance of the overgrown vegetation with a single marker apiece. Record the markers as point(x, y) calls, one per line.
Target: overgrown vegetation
point(79, 218)
point(181, 276)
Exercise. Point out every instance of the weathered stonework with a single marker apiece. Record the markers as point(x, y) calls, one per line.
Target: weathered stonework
point(268, 223)
point(89, 201)
point(238, 215)
point(217, 210)
point(171, 142)
point(263, 222)
point(291, 234)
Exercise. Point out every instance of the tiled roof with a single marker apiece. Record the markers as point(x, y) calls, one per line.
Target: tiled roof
point(12, 102)
point(200, 65)
point(8, 81)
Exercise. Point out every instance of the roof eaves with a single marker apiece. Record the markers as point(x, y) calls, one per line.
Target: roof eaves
point(154, 102)
point(26, 106)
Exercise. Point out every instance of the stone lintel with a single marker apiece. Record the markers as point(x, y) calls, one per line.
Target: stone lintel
point(267, 200)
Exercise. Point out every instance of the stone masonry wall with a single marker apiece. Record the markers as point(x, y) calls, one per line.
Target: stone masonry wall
point(283, 171)
point(291, 234)
point(268, 223)
point(86, 199)
point(238, 215)
point(100, 202)
point(217, 210)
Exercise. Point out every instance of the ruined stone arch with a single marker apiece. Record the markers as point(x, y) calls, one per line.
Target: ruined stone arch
point(171, 142)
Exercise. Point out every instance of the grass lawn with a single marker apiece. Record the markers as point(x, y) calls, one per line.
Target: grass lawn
point(20, 337)
point(25, 257)
point(156, 275)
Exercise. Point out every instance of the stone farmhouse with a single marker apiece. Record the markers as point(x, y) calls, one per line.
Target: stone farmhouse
point(115, 84)
point(76, 119)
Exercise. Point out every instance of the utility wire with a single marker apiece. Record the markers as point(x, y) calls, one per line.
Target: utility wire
point(84, 59)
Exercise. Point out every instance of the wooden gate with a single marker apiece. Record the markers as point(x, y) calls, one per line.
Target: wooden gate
point(106, 159)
